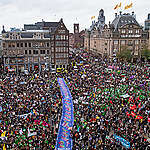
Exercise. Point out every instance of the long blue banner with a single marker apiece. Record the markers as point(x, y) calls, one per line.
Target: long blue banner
point(124, 142)
point(64, 140)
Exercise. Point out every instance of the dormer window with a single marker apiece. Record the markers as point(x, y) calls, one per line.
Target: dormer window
point(137, 31)
point(130, 31)
point(123, 31)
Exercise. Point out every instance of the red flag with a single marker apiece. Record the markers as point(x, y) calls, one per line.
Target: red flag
point(139, 105)
point(93, 119)
point(139, 117)
point(130, 98)
point(133, 114)
point(111, 102)
point(128, 114)
point(138, 99)
point(132, 107)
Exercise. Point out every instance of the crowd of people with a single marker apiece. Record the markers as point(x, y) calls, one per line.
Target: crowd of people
point(109, 99)
point(30, 111)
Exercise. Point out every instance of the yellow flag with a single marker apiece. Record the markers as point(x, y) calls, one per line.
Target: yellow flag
point(130, 5)
point(3, 134)
point(116, 7)
point(4, 147)
point(92, 17)
point(119, 5)
point(126, 7)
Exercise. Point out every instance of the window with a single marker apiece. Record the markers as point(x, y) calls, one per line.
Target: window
point(13, 44)
point(29, 51)
point(66, 37)
point(35, 52)
point(42, 51)
point(137, 31)
point(4, 45)
point(115, 42)
point(9, 45)
point(57, 37)
point(66, 43)
point(18, 44)
point(29, 44)
point(136, 41)
point(52, 49)
point(123, 42)
point(123, 31)
point(52, 55)
point(26, 44)
point(47, 51)
point(21, 44)
point(26, 52)
point(47, 44)
point(130, 31)
point(130, 42)
point(57, 49)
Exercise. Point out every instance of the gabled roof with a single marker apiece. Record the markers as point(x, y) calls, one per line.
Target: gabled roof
point(41, 26)
point(124, 19)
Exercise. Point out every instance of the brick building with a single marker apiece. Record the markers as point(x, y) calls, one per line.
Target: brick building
point(41, 45)
point(76, 39)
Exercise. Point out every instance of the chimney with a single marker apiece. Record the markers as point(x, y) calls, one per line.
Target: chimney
point(116, 15)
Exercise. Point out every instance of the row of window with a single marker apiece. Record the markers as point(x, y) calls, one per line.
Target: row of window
point(41, 44)
point(61, 37)
point(137, 31)
point(36, 52)
point(61, 49)
point(64, 61)
point(61, 43)
point(123, 42)
point(61, 55)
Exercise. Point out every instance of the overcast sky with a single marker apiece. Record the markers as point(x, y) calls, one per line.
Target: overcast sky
point(16, 13)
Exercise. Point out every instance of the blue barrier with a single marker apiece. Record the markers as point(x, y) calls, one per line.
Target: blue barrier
point(124, 142)
point(64, 140)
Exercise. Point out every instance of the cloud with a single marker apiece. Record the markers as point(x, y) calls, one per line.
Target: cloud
point(20, 12)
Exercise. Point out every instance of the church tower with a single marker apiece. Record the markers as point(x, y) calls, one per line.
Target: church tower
point(76, 28)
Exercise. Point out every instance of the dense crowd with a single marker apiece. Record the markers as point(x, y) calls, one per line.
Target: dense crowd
point(30, 111)
point(109, 98)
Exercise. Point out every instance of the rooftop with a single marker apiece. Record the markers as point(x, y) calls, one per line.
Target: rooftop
point(123, 19)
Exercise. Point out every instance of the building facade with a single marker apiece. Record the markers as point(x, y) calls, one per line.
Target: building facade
point(147, 23)
point(92, 37)
point(77, 38)
point(149, 40)
point(0, 49)
point(43, 45)
point(123, 32)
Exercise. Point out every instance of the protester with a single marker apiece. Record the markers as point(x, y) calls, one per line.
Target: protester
point(110, 100)
point(30, 111)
